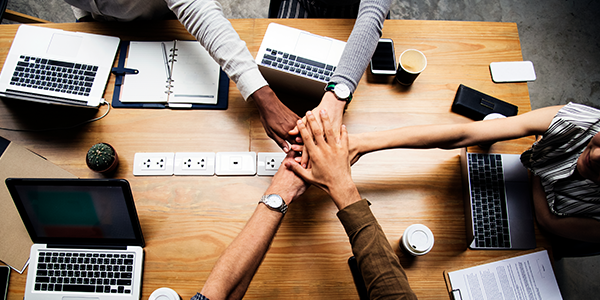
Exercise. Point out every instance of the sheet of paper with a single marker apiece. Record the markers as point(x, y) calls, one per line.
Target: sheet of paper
point(195, 75)
point(528, 276)
point(150, 84)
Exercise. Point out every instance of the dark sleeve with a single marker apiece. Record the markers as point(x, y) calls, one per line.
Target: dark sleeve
point(379, 265)
point(199, 296)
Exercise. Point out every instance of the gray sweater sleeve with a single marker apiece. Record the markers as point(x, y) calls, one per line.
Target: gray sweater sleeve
point(362, 42)
point(205, 20)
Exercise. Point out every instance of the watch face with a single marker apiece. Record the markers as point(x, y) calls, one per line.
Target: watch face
point(342, 91)
point(274, 201)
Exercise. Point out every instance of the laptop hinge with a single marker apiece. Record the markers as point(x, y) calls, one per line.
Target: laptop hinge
point(108, 247)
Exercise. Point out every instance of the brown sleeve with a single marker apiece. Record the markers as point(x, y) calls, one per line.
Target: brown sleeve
point(379, 265)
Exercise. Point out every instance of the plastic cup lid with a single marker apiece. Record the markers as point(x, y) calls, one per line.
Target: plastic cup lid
point(164, 293)
point(418, 238)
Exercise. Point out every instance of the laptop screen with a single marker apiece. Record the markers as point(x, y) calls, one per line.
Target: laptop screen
point(77, 211)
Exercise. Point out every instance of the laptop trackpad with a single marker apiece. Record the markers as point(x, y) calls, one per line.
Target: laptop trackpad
point(64, 45)
point(312, 47)
point(80, 298)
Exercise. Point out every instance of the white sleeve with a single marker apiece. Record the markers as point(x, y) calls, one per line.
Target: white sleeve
point(204, 19)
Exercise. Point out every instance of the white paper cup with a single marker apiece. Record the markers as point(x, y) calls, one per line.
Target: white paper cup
point(417, 239)
point(164, 293)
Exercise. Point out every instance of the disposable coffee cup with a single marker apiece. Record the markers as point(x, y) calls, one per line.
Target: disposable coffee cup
point(164, 293)
point(417, 239)
point(412, 63)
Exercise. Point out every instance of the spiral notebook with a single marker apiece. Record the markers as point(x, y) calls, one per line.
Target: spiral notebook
point(176, 74)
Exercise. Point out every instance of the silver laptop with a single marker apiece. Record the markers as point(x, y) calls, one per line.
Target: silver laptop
point(297, 60)
point(54, 66)
point(87, 238)
point(498, 201)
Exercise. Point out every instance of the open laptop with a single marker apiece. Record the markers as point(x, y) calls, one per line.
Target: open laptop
point(54, 66)
point(498, 201)
point(87, 238)
point(297, 60)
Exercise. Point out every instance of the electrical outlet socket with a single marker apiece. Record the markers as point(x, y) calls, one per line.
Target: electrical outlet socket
point(195, 163)
point(268, 163)
point(235, 163)
point(149, 164)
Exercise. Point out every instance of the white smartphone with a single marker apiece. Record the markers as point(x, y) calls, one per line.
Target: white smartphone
point(512, 71)
point(383, 61)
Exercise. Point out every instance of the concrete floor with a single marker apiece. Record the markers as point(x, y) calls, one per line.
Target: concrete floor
point(561, 38)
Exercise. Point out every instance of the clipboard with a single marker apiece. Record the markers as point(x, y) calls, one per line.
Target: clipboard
point(121, 71)
point(457, 294)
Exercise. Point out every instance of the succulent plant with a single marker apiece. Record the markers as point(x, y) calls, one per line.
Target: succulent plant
point(102, 158)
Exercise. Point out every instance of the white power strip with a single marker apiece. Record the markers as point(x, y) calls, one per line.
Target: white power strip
point(207, 163)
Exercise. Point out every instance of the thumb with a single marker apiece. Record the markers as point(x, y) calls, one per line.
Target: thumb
point(298, 170)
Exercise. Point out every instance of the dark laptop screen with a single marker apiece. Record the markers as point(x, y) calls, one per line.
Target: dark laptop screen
point(72, 211)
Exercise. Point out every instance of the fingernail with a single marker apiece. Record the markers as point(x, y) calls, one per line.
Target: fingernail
point(309, 113)
point(323, 112)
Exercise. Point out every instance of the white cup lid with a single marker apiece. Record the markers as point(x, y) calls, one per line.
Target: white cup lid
point(418, 239)
point(164, 293)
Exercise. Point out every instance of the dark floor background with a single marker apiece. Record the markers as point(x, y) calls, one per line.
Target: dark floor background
point(560, 37)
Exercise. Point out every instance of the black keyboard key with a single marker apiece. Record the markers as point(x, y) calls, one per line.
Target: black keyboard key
point(78, 288)
point(123, 282)
point(60, 63)
point(310, 62)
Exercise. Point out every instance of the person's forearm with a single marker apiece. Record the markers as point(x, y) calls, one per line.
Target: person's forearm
point(361, 43)
point(453, 136)
point(234, 270)
point(382, 273)
point(204, 19)
point(418, 137)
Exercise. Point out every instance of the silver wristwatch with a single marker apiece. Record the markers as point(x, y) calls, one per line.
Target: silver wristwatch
point(274, 202)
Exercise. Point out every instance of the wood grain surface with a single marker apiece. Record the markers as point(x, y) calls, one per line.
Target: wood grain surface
point(188, 221)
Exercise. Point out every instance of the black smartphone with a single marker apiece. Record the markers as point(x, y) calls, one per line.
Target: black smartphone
point(383, 61)
point(359, 282)
point(4, 276)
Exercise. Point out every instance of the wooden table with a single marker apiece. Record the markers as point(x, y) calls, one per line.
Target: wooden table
point(189, 221)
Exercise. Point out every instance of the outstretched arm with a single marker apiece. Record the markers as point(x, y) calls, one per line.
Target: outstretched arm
point(453, 135)
point(205, 20)
point(234, 270)
point(329, 169)
point(354, 60)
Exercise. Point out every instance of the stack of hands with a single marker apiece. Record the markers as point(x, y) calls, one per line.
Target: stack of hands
point(324, 162)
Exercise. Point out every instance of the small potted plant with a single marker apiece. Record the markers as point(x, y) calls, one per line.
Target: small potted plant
point(102, 158)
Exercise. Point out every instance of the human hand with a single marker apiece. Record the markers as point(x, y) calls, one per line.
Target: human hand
point(277, 119)
point(286, 183)
point(354, 153)
point(329, 168)
point(335, 110)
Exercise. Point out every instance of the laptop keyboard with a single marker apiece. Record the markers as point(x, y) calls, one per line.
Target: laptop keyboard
point(490, 214)
point(53, 75)
point(298, 65)
point(93, 272)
